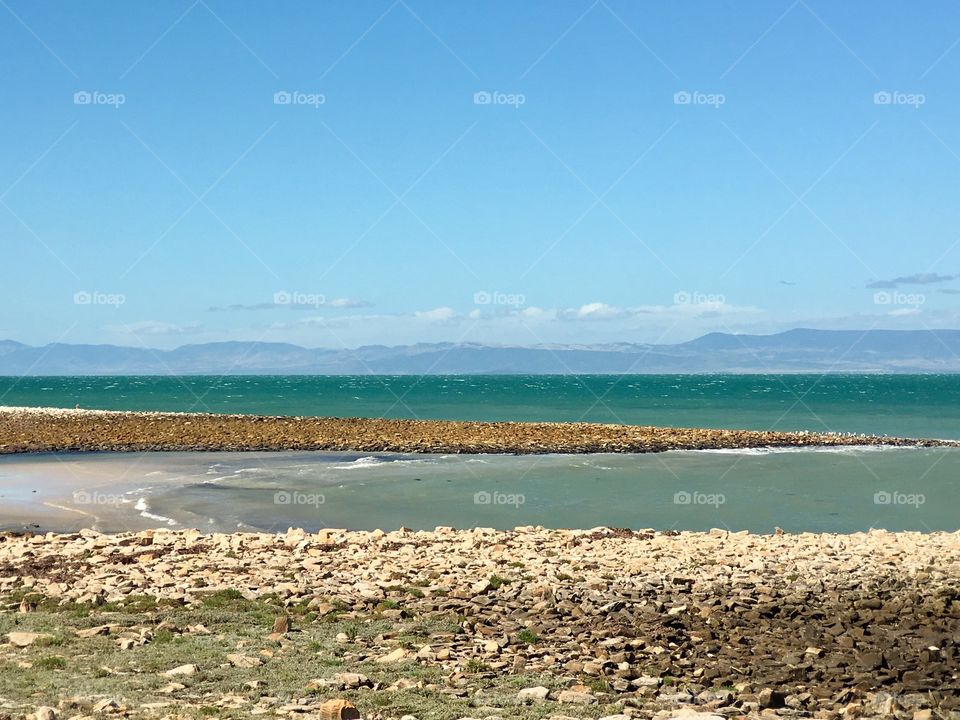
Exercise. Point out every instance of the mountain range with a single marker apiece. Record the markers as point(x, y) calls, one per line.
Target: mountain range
point(800, 350)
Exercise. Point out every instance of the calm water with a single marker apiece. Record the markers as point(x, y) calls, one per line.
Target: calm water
point(918, 406)
point(830, 490)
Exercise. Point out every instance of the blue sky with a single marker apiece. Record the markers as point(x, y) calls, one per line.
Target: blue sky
point(339, 174)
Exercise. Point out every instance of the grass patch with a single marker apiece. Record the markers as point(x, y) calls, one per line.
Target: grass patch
point(474, 666)
point(497, 582)
point(51, 662)
point(527, 637)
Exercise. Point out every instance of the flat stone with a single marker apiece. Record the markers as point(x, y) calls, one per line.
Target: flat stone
point(25, 639)
point(243, 661)
point(538, 694)
point(181, 670)
point(575, 697)
point(392, 657)
point(94, 631)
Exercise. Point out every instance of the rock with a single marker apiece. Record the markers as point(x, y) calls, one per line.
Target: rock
point(243, 661)
point(769, 698)
point(171, 688)
point(403, 684)
point(352, 680)
point(107, 705)
point(538, 694)
point(923, 714)
point(684, 714)
point(481, 587)
point(321, 608)
point(25, 639)
point(94, 631)
point(45, 712)
point(392, 657)
point(338, 710)
point(615, 717)
point(576, 697)
point(181, 670)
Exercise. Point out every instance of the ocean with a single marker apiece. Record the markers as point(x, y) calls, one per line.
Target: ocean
point(825, 490)
point(909, 405)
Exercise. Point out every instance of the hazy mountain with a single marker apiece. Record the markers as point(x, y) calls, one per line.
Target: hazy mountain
point(801, 350)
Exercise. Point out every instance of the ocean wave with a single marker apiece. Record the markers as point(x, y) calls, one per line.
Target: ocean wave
point(144, 509)
point(371, 461)
point(835, 449)
point(362, 462)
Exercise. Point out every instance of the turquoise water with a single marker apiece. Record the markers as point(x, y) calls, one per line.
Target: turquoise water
point(917, 406)
point(840, 490)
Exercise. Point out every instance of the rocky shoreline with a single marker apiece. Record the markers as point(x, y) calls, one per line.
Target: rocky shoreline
point(25, 430)
point(632, 624)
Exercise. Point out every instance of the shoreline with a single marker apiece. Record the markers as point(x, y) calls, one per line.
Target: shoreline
point(523, 623)
point(40, 430)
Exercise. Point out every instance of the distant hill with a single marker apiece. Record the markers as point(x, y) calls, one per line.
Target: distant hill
point(801, 350)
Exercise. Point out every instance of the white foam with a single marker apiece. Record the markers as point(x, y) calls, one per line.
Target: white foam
point(367, 461)
point(144, 509)
point(837, 449)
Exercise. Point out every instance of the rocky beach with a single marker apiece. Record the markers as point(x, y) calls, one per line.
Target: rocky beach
point(449, 624)
point(57, 430)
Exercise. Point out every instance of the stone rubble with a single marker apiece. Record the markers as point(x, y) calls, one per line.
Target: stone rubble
point(714, 624)
point(52, 429)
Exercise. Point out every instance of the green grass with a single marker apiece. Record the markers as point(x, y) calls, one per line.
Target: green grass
point(475, 666)
point(96, 668)
point(527, 637)
point(53, 662)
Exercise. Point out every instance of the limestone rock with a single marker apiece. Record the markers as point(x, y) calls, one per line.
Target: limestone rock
point(181, 670)
point(538, 694)
point(26, 639)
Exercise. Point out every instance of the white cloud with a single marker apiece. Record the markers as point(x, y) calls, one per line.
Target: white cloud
point(437, 315)
point(153, 327)
point(594, 311)
point(349, 303)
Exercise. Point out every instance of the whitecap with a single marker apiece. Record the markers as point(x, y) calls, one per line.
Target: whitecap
point(367, 461)
point(144, 509)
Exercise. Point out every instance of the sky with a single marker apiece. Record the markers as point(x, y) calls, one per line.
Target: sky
point(337, 174)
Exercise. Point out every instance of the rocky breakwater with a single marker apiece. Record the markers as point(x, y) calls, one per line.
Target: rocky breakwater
point(725, 624)
point(50, 430)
